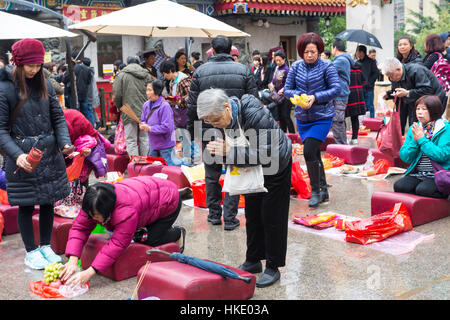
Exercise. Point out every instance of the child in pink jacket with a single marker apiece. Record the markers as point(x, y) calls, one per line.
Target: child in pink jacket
point(123, 208)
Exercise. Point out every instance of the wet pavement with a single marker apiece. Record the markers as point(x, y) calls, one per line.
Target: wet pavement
point(317, 268)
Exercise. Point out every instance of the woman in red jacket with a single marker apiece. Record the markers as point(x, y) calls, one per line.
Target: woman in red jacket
point(140, 203)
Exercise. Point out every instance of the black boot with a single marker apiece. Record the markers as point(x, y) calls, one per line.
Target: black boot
point(324, 196)
point(314, 178)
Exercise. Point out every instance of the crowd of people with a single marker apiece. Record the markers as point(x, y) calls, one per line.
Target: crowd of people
point(225, 99)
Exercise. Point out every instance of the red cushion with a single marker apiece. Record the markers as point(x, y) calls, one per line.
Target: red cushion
point(328, 140)
point(175, 175)
point(295, 138)
point(60, 233)
point(135, 170)
point(129, 262)
point(421, 209)
point(350, 153)
point(173, 280)
point(374, 124)
point(10, 216)
point(117, 162)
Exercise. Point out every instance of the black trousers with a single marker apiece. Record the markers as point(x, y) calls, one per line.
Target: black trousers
point(284, 113)
point(25, 224)
point(161, 231)
point(267, 217)
point(407, 114)
point(355, 126)
point(421, 187)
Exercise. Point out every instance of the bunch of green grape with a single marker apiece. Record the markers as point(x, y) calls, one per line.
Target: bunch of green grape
point(51, 272)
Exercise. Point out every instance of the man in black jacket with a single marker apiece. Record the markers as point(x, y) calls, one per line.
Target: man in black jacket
point(370, 71)
point(84, 77)
point(410, 82)
point(220, 72)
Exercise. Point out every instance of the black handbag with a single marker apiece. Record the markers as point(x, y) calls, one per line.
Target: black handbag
point(275, 97)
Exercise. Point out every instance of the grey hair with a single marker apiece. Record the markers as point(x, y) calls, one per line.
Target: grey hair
point(211, 102)
point(390, 65)
point(133, 59)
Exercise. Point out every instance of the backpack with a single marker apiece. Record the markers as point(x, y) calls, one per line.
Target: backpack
point(441, 69)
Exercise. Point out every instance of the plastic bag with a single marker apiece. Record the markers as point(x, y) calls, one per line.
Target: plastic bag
point(68, 292)
point(382, 109)
point(74, 170)
point(300, 181)
point(44, 290)
point(330, 161)
point(2, 225)
point(4, 197)
point(381, 166)
point(120, 143)
point(379, 227)
point(244, 180)
point(199, 193)
point(318, 221)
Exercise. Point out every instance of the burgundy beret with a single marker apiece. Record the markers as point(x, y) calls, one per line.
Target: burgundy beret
point(27, 51)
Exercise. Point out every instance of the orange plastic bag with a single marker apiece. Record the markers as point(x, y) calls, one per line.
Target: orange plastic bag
point(3, 197)
point(199, 193)
point(300, 181)
point(43, 290)
point(74, 170)
point(2, 225)
point(334, 161)
point(381, 166)
point(379, 227)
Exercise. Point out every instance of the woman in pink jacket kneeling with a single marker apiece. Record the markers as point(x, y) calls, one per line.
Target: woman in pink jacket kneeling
point(142, 209)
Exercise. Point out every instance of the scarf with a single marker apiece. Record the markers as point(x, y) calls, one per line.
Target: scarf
point(428, 129)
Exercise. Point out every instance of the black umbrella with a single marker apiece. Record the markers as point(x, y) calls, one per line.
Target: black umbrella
point(203, 264)
point(359, 36)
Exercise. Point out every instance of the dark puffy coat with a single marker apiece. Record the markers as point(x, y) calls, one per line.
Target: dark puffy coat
point(371, 72)
point(220, 72)
point(38, 118)
point(84, 76)
point(419, 81)
point(253, 118)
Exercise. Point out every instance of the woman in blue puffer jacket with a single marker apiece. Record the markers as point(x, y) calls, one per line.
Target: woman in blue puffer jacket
point(320, 81)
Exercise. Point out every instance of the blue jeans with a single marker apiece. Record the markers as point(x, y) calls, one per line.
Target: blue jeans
point(190, 147)
point(368, 98)
point(169, 156)
point(87, 110)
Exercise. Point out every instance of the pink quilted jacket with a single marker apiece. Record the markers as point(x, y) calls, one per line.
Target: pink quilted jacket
point(140, 202)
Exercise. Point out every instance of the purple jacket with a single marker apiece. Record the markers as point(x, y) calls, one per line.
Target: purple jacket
point(162, 132)
point(280, 76)
point(140, 202)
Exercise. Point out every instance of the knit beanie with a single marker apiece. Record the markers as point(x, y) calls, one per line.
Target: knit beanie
point(27, 51)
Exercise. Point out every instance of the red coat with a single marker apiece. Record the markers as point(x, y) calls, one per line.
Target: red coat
point(78, 124)
point(140, 202)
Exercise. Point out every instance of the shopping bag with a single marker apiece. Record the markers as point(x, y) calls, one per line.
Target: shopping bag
point(379, 227)
point(4, 197)
point(120, 143)
point(389, 138)
point(382, 109)
point(381, 166)
point(70, 206)
point(74, 170)
point(441, 178)
point(300, 181)
point(244, 180)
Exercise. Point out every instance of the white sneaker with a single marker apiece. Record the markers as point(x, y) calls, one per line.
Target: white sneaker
point(354, 141)
point(35, 260)
point(49, 255)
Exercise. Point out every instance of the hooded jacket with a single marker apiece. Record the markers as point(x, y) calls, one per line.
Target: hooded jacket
point(129, 88)
point(320, 79)
point(343, 64)
point(140, 202)
point(40, 123)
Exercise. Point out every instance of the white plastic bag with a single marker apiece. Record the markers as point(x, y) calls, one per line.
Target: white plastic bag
point(69, 292)
point(382, 109)
point(244, 180)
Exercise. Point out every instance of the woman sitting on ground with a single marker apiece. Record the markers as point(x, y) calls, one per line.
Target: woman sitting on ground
point(142, 209)
point(427, 140)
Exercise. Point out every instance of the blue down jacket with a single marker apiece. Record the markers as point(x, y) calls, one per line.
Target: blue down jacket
point(41, 119)
point(320, 79)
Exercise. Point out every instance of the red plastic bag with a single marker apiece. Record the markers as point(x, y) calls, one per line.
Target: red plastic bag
point(390, 138)
point(199, 193)
point(147, 160)
point(378, 227)
point(4, 197)
point(381, 166)
point(2, 225)
point(300, 181)
point(42, 289)
point(74, 170)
